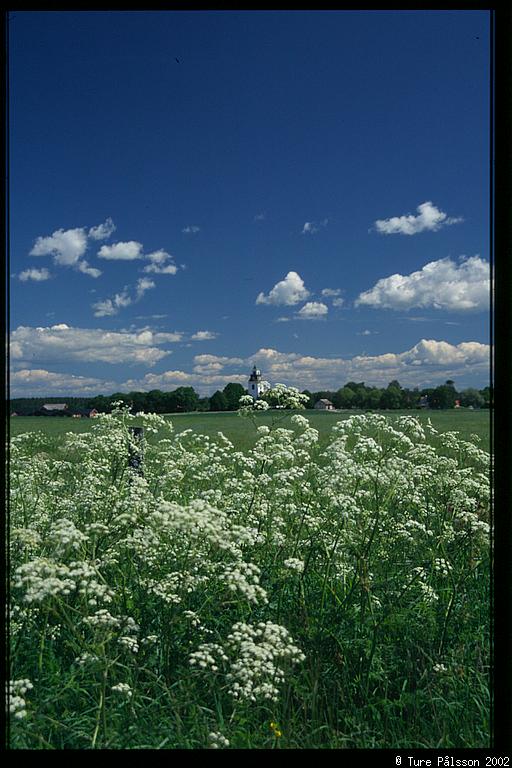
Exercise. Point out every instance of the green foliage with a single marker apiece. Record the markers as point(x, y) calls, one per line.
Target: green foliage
point(233, 393)
point(218, 401)
point(300, 594)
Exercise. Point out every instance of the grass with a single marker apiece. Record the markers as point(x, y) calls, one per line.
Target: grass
point(243, 435)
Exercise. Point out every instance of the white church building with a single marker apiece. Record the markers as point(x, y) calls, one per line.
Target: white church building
point(256, 386)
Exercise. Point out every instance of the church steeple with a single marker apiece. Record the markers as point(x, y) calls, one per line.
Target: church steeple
point(255, 386)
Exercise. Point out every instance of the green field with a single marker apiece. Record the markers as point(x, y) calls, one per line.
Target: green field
point(242, 433)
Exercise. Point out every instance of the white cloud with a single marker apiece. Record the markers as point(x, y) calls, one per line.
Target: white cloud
point(289, 291)
point(260, 217)
point(204, 336)
point(102, 231)
point(208, 359)
point(313, 310)
point(37, 275)
point(143, 284)
point(338, 302)
point(311, 227)
point(204, 383)
point(429, 218)
point(192, 229)
point(109, 307)
point(159, 265)
point(128, 251)
point(32, 382)
point(427, 363)
point(440, 284)
point(157, 269)
point(84, 267)
point(66, 246)
point(61, 343)
point(331, 291)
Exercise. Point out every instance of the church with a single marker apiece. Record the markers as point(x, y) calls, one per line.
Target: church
point(256, 386)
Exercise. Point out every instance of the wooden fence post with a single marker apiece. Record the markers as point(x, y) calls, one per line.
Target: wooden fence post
point(136, 456)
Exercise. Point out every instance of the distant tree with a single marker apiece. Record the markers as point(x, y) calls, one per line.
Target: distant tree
point(310, 403)
point(487, 396)
point(353, 385)
point(344, 397)
point(471, 397)
point(218, 401)
point(156, 401)
point(203, 404)
point(410, 398)
point(442, 397)
point(233, 393)
point(184, 399)
point(391, 398)
point(100, 402)
point(138, 401)
point(373, 395)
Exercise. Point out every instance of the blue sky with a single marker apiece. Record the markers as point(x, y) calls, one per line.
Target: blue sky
point(308, 191)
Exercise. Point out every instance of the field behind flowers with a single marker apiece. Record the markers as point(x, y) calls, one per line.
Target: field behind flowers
point(322, 583)
point(243, 435)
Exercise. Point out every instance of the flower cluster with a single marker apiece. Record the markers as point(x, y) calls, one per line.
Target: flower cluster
point(229, 576)
point(16, 690)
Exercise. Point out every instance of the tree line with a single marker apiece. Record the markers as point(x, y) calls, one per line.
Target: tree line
point(186, 399)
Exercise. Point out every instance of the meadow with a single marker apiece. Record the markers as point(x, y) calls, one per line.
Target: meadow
point(243, 435)
point(301, 580)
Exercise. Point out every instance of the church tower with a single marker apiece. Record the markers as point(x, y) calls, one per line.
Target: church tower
point(255, 385)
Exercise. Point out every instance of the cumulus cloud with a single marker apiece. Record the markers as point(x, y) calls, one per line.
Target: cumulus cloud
point(66, 246)
point(102, 231)
point(192, 229)
point(289, 291)
point(128, 251)
point(204, 336)
point(62, 343)
point(313, 310)
point(38, 275)
point(32, 382)
point(427, 363)
point(161, 263)
point(338, 302)
point(331, 292)
point(429, 218)
point(442, 284)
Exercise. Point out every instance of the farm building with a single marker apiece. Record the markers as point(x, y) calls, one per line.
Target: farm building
point(324, 405)
point(87, 413)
